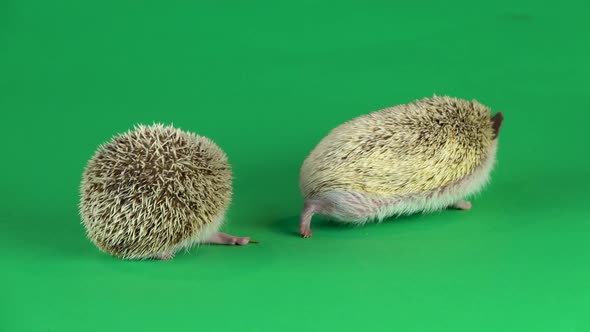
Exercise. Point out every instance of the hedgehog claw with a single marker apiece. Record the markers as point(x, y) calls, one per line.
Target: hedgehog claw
point(305, 231)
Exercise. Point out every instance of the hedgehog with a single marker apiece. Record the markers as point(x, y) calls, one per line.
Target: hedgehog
point(424, 156)
point(154, 190)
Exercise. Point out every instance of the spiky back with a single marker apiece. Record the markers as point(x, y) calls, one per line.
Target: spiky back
point(152, 188)
point(406, 149)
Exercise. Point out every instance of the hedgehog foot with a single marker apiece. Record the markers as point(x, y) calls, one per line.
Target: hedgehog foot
point(461, 205)
point(226, 239)
point(305, 230)
point(166, 255)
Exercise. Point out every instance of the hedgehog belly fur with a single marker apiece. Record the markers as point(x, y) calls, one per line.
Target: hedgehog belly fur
point(360, 208)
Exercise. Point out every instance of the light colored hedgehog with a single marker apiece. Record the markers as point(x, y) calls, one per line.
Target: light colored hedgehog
point(154, 190)
point(423, 156)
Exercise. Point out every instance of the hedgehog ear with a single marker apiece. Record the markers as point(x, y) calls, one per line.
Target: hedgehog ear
point(497, 120)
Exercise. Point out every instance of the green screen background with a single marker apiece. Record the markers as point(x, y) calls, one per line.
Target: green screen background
point(267, 80)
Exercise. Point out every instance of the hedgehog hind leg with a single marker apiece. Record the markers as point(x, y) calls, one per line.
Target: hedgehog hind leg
point(164, 255)
point(461, 205)
point(310, 207)
point(227, 239)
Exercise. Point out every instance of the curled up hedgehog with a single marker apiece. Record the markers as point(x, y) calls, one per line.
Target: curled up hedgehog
point(154, 190)
point(427, 155)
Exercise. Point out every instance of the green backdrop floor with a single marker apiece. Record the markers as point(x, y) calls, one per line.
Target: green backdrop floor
point(266, 81)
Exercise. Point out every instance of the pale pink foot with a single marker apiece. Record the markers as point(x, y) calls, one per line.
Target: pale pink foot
point(305, 230)
point(223, 238)
point(165, 255)
point(462, 205)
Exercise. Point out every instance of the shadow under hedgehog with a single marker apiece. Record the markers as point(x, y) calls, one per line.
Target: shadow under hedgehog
point(424, 156)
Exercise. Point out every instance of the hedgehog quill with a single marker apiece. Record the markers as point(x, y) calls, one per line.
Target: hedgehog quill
point(427, 155)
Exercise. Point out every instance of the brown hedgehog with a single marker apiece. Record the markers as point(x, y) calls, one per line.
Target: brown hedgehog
point(427, 155)
point(154, 190)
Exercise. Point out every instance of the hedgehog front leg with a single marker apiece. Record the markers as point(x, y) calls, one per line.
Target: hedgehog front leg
point(226, 239)
point(461, 205)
